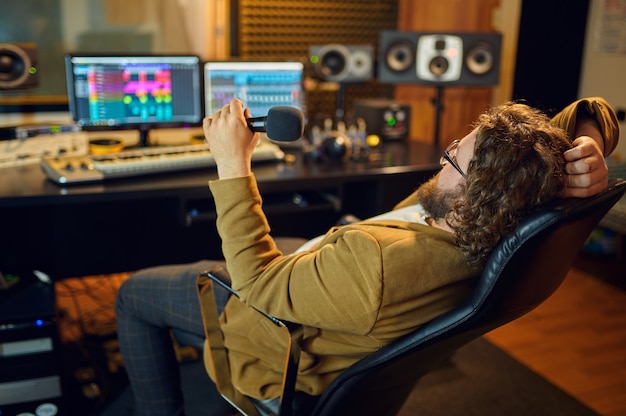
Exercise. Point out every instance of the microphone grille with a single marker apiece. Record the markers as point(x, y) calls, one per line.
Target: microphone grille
point(284, 124)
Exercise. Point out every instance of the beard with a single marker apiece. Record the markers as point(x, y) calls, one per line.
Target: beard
point(438, 202)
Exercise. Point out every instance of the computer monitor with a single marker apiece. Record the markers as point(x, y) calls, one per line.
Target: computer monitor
point(109, 92)
point(259, 85)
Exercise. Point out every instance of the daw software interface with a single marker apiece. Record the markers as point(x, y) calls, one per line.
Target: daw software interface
point(134, 92)
point(259, 85)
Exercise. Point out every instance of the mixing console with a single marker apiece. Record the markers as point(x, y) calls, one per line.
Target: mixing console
point(143, 161)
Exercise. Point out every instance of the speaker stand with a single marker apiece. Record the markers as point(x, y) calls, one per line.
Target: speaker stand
point(339, 112)
point(438, 103)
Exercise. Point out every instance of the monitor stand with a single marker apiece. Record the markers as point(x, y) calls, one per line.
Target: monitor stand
point(144, 133)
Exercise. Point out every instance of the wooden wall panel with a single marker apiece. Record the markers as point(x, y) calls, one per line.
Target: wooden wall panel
point(461, 105)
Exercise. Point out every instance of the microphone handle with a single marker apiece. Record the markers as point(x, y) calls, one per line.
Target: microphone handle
point(257, 128)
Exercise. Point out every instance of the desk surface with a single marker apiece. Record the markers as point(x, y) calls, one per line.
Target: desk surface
point(27, 185)
point(126, 224)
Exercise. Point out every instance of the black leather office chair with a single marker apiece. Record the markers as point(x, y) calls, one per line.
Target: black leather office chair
point(523, 270)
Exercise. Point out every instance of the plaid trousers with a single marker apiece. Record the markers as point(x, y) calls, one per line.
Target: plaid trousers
point(149, 304)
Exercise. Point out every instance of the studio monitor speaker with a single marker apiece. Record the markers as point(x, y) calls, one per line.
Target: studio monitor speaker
point(18, 66)
point(464, 59)
point(342, 63)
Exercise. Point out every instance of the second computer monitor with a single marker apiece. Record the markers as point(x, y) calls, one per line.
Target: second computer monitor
point(259, 85)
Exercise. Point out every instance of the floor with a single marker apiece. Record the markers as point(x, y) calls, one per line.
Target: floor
point(577, 338)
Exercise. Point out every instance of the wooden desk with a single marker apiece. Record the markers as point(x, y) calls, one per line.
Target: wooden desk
point(126, 224)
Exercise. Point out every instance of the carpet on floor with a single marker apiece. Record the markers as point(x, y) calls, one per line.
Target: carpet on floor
point(480, 379)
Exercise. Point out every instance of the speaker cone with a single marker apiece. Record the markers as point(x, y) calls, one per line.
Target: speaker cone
point(15, 66)
point(333, 63)
point(400, 56)
point(438, 66)
point(480, 59)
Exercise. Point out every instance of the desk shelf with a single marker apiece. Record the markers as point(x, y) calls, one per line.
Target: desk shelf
point(284, 203)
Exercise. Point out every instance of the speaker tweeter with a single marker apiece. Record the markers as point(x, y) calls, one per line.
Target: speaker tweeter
point(342, 63)
point(18, 66)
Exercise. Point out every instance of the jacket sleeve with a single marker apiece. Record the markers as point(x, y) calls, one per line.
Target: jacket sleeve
point(592, 107)
point(298, 287)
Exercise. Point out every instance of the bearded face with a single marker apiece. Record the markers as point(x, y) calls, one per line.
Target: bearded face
point(438, 202)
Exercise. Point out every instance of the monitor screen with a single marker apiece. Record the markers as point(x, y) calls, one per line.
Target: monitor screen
point(134, 92)
point(259, 85)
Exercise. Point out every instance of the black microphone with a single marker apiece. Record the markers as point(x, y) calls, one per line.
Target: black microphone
point(282, 123)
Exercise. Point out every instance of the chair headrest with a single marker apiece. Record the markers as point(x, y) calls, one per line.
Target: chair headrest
point(544, 246)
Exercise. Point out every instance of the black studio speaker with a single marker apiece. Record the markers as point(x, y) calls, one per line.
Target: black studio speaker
point(463, 59)
point(18, 66)
point(343, 63)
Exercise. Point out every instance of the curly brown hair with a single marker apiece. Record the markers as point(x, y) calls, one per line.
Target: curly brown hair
point(517, 165)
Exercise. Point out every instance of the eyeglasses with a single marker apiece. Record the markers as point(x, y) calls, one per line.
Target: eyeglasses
point(447, 158)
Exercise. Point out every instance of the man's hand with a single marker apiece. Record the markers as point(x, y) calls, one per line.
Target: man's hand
point(230, 140)
point(587, 173)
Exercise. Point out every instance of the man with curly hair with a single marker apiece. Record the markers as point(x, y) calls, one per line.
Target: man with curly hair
point(363, 285)
point(514, 164)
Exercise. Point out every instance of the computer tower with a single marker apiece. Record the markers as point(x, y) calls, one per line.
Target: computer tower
point(31, 378)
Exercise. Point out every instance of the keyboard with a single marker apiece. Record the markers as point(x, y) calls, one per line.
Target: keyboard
point(138, 162)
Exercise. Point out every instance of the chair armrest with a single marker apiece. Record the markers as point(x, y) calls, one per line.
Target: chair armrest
point(293, 331)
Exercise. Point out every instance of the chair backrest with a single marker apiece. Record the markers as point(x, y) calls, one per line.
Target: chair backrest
point(522, 271)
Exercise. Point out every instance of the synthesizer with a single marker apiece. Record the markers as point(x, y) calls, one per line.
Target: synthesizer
point(141, 161)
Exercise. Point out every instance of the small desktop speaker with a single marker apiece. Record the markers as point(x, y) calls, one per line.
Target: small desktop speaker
point(18, 66)
point(342, 63)
point(464, 59)
point(385, 118)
